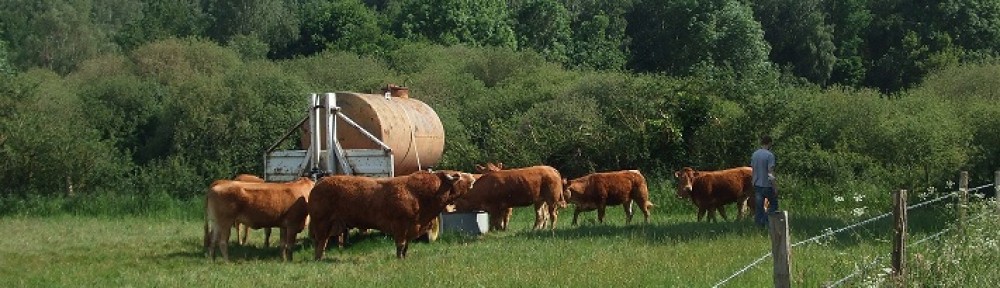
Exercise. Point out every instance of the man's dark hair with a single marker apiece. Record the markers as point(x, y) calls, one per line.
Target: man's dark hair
point(765, 140)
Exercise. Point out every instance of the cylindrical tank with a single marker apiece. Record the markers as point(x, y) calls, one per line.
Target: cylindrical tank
point(409, 127)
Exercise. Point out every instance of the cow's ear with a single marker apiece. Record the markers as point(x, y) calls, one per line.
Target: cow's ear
point(480, 168)
point(453, 177)
point(500, 165)
point(565, 181)
point(677, 174)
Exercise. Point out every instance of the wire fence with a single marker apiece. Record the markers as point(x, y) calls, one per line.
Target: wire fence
point(874, 262)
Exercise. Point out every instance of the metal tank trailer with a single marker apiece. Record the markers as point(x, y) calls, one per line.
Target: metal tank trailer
point(377, 135)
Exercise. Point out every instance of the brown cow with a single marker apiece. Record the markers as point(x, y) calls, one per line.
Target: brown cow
point(597, 190)
point(712, 190)
point(242, 230)
point(257, 205)
point(497, 192)
point(402, 207)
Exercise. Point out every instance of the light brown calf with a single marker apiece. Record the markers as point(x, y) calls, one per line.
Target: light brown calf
point(498, 192)
point(711, 191)
point(257, 205)
point(597, 190)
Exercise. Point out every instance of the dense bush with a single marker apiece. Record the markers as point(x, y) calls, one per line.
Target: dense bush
point(160, 124)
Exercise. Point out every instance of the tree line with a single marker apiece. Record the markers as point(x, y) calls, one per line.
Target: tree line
point(884, 44)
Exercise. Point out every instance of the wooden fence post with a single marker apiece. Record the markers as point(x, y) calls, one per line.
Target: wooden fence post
point(996, 189)
point(899, 238)
point(781, 249)
point(963, 199)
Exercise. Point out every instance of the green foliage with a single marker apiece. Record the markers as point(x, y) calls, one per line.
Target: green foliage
point(6, 68)
point(544, 26)
point(719, 33)
point(837, 135)
point(973, 24)
point(972, 94)
point(452, 22)
point(161, 19)
point(333, 71)
point(53, 34)
point(47, 145)
point(849, 20)
point(345, 25)
point(599, 37)
point(799, 37)
point(273, 22)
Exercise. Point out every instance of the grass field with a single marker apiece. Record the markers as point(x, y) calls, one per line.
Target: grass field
point(672, 251)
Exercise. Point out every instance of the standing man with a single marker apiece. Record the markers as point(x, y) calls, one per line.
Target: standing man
point(764, 186)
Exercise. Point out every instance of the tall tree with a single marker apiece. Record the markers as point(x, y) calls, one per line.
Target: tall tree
point(973, 24)
point(161, 19)
point(599, 37)
point(55, 34)
point(906, 41)
point(453, 22)
point(681, 36)
point(273, 22)
point(799, 37)
point(5, 67)
point(346, 25)
point(850, 20)
point(544, 26)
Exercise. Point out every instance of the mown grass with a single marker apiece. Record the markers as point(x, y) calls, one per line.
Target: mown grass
point(672, 251)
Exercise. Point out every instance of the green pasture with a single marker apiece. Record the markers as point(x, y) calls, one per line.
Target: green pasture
point(672, 251)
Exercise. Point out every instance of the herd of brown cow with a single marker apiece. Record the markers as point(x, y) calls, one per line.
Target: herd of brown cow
point(403, 207)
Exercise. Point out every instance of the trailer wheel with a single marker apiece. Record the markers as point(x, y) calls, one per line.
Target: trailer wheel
point(432, 232)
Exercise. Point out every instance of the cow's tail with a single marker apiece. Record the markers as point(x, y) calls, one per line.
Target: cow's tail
point(641, 191)
point(209, 217)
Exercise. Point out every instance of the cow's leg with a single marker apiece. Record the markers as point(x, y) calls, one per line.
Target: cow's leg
point(223, 240)
point(242, 232)
point(701, 213)
point(553, 212)
point(576, 214)
point(401, 247)
point(741, 208)
point(267, 237)
point(284, 243)
point(600, 213)
point(506, 217)
point(628, 211)
point(496, 220)
point(722, 212)
point(711, 215)
point(321, 236)
point(539, 216)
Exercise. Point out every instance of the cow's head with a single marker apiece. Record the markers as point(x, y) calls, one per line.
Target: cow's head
point(570, 188)
point(685, 180)
point(460, 183)
point(490, 167)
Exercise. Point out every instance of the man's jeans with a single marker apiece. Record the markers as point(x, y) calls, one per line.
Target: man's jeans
point(761, 193)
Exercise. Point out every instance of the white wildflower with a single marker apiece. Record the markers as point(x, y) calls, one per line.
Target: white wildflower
point(950, 183)
point(838, 198)
point(859, 211)
point(859, 197)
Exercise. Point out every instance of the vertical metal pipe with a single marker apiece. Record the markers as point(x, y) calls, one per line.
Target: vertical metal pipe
point(314, 118)
point(331, 132)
